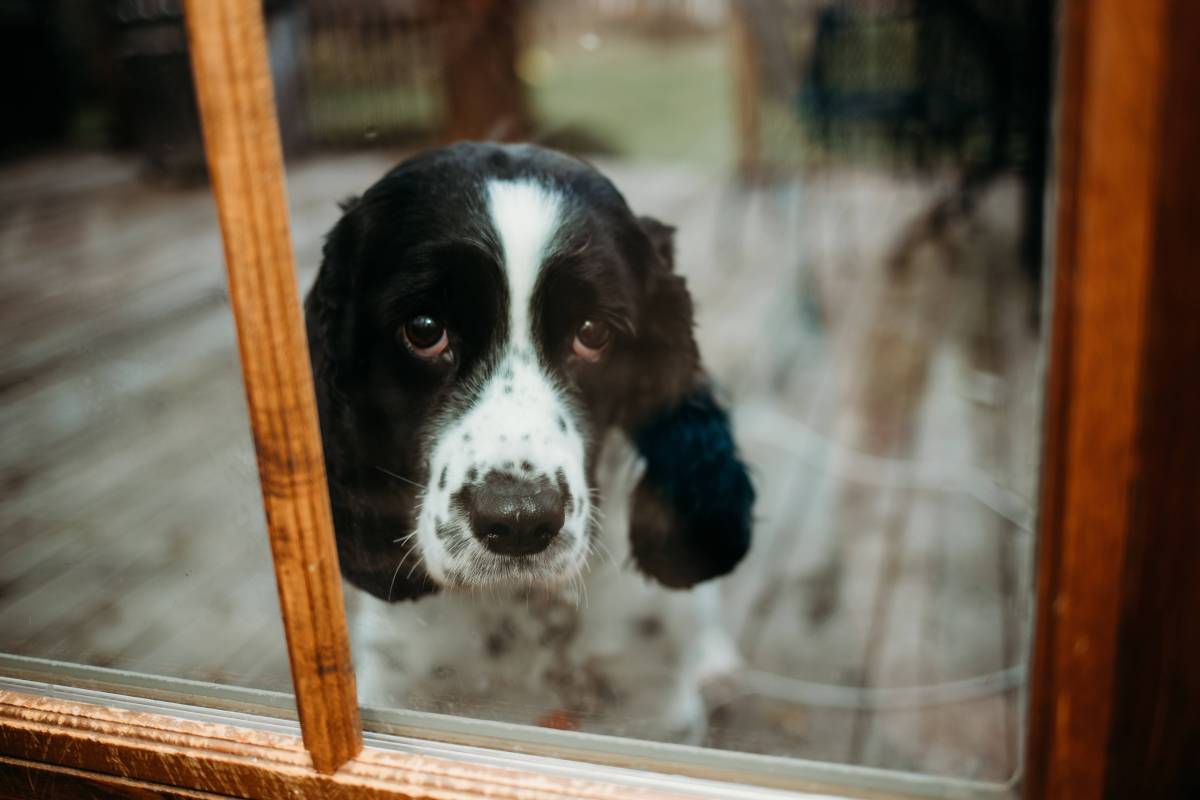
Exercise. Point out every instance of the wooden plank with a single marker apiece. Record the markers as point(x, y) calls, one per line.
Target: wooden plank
point(827, 593)
point(901, 651)
point(81, 435)
point(22, 780)
point(140, 569)
point(109, 584)
point(779, 480)
point(945, 625)
point(86, 505)
point(127, 266)
point(1110, 111)
point(49, 420)
point(1156, 719)
point(227, 759)
point(950, 611)
point(228, 50)
point(814, 627)
point(882, 382)
point(152, 413)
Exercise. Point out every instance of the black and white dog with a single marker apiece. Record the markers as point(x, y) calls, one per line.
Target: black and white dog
point(519, 434)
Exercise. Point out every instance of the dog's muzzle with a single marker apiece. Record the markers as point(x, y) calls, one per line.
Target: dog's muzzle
point(514, 516)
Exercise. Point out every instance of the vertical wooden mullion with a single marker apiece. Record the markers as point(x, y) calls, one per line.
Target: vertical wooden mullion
point(242, 143)
point(1111, 106)
point(1156, 697)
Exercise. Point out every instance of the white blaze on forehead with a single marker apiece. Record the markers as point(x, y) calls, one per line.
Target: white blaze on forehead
point(526, 217)
point(518, 422)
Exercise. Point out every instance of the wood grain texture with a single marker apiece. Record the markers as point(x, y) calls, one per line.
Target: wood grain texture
point(241, 762)
point(26, 780)
point(1156, 699)
point(1110, 101)
point(229, 59)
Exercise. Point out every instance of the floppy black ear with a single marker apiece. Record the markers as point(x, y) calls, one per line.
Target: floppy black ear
point(368, 554)
point(691, 512)
point(326, 317)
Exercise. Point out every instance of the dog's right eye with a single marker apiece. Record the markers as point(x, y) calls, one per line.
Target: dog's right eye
point(425, 336)
point(592, 339)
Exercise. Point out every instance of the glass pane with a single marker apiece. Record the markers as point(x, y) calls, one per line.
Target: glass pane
point(856, 192)
point(131, 531)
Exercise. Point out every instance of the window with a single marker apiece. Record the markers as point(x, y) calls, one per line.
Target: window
point(1108, 462)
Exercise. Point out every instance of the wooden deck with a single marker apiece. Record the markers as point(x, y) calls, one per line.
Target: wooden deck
point(889, 412)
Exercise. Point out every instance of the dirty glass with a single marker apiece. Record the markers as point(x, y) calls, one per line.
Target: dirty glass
point(790, 496)
point(132, 536)
point(856, 195)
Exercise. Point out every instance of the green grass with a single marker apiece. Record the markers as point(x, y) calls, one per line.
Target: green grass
point(632, 97)
point(359, 114)
point(639, 98)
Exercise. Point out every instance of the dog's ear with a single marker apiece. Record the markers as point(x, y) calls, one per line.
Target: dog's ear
point(367, 553)
point(327, 320)
point(691, 512)
point(662, 362)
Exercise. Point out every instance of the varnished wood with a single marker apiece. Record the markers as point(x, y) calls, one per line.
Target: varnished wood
point(1156, 697)
point(26, 780)
point(1113, 102)
point(134, 749)
point(229, 59)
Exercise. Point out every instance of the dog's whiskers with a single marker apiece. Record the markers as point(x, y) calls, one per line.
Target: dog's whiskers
point(412, 569)
point(582, 590)
point(605, 552)
point(391, 474)
point(399, 564)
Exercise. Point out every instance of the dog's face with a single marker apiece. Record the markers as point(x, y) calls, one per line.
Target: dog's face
point(483, 315)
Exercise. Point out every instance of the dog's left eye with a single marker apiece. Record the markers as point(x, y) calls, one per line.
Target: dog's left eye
point(592, 339)
point(426, 336)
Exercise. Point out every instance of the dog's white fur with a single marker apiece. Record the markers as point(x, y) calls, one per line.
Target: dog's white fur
point(629, 656)
point(520, 422)
point(573, 627)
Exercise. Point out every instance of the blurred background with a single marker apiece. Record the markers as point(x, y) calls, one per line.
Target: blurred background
point(858, 190)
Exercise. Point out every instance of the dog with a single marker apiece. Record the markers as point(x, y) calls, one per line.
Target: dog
point(522, 443)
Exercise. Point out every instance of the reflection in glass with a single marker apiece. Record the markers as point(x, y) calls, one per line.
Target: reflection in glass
point(855, 189)
point(131, 529)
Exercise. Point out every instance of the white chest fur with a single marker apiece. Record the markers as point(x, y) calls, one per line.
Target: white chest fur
point(614, 653)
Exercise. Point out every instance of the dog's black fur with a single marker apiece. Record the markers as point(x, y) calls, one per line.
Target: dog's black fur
point(420, 238)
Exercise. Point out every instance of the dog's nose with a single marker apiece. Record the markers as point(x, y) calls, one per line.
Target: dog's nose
point(514, 516)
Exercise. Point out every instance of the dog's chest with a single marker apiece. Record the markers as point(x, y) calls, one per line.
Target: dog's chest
point(598, 664)
point(612, 653)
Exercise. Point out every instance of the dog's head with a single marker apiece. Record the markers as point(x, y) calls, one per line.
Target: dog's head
point(483, 315)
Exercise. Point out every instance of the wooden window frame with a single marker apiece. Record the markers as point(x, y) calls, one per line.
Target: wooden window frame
point(1115, 694)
